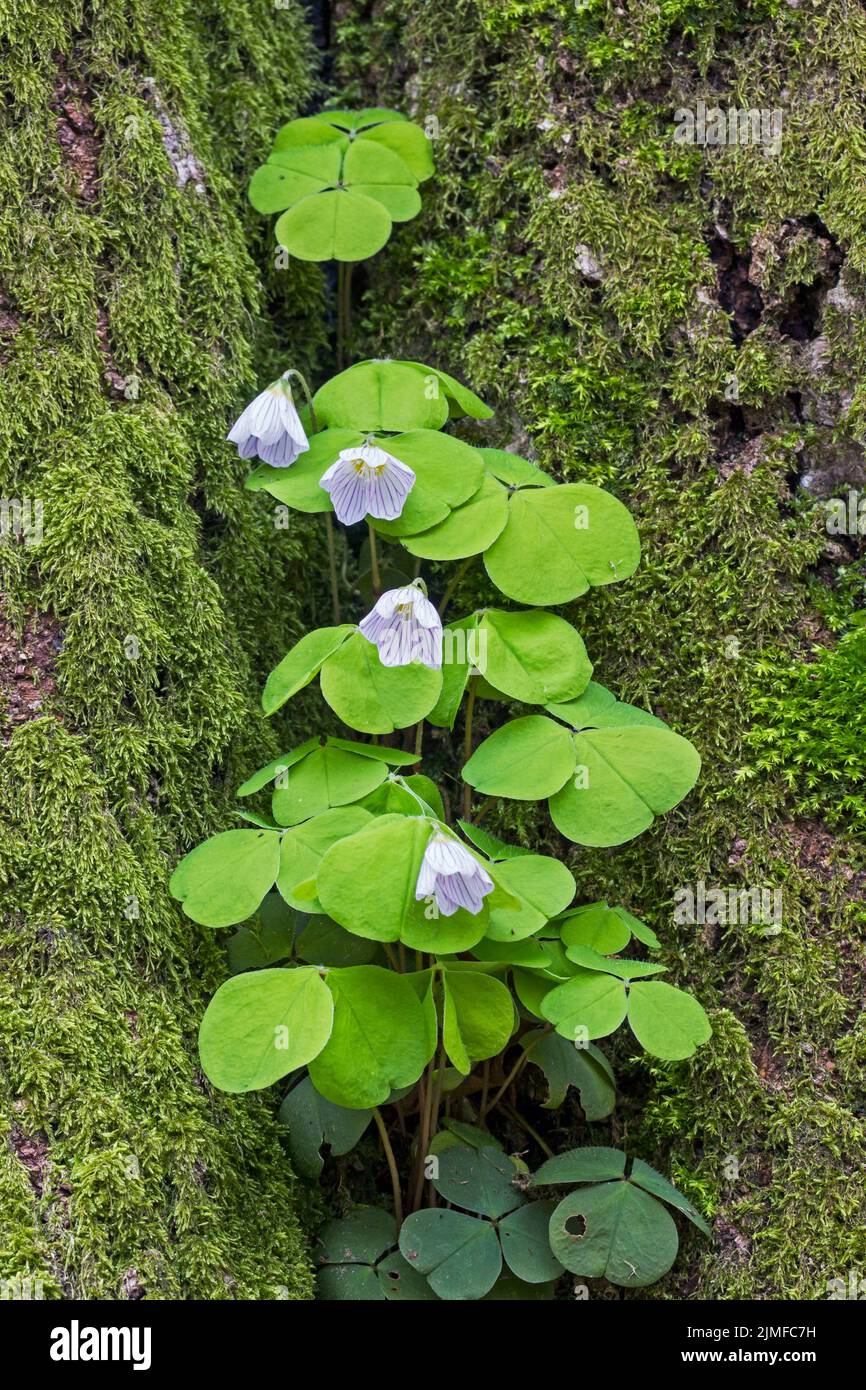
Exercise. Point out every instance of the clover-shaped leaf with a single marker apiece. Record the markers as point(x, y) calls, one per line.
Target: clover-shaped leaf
point(356, 1261)
point(261, 1026)
point(666, 1021)
point(462, 1254)
point(324, 773)
point(606, 781)
point(613, 1226)
point(311, 1121)
point(605, 929)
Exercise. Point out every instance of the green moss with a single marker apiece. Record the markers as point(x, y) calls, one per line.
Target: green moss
point(133, 325)
point(640, 313)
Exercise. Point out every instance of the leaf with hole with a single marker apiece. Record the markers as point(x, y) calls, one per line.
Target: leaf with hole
point(614, 1230)
point(311, 1121)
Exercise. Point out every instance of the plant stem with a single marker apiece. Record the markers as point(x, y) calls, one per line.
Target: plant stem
point(467, 745)
point(524, 1125)
point(341, 327)
point(374, 564)
point(419, 738)
point(392, 1166)
point(452, 585)
point(332, 566)
point(512, 1076)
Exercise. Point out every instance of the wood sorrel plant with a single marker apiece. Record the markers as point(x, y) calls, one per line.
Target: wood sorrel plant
point(401, 963)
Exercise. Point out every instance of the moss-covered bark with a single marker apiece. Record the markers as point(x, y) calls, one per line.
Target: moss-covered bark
point(683, 324)
point(134, 631)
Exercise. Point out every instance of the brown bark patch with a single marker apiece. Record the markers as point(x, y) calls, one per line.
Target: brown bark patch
point(27, 668)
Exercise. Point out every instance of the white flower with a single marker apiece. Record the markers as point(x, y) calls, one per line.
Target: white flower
point(367, 481)
point(405, 627)
point(271, 427)
point(453, 876)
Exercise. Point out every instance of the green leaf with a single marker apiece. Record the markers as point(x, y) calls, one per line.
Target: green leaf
point(589, 959)
point(468, 530)
point(478, 1018)
point(378, 172)
point(223, 881)
point(401, 1283)
point(281, 764)
point(338, 224)
point(653, 1182)
point(300, 486)
point(531, 989)
point(626, 777)
point(459, 648)
point(587, 1006)
point(526, 1243)
point(461, 400)
point(614, 1230)
point(491, 845)
point(373, 698)
point(527, 759)
point(398, 757)
point(565, 1065)
point(260, 1027)
point(270, 940)
point(311, 1121)
point(639, 930)
point(361, 120)
point(581, 1165)
point(534, 656)
point(586, 536)
point(360, 1238)
point(598, 926)
point(379, 1039)
point(666, 1021)
point(459, 1254)
point(479, 1179)
point(380, 395)
point(306, 131)
point(367, 884)
point(302, 664)
point(538, 879)
point(515, 471)
point(303, 847)
point(325, 778)
point(408, 141)
point(294, 173)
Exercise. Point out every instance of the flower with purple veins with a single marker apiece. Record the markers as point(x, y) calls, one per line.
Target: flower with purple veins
point(270, 427)
point(405, 627)
point(367, 481)
point(452, 876)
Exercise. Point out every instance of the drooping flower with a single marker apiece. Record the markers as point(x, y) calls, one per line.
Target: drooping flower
point(452, 876)
point(270, 427)
point(367, 481)
point(405, 627)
